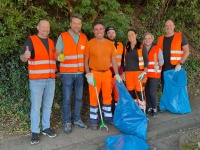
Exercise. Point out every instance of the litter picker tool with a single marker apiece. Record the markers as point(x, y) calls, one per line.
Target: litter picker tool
point(103, 125)
point(143, 101)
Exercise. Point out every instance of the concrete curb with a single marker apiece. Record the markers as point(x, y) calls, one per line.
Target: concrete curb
point(180, 123)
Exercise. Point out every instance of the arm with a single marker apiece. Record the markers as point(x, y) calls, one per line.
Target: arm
point(27, 51)
point(114, 64)
point(160, 58)
point(59, 47)
point(185, 48)
point(145, 57)
point(86, 61)
point(186, 53)
point(57, 53)
point(24, 57)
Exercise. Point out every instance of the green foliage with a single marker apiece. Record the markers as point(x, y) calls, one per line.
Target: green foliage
point(18, 20)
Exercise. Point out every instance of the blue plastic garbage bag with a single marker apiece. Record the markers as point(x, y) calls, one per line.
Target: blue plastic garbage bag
point(128, 117)
point(125, 142)
point(175, 95)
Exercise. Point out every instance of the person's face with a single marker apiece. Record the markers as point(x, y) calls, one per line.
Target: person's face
point(99, 31)
point(148, 40)
point(111, 34)
point(43, 29)
point(76, 25)
point(169, 27)
point(132, 36)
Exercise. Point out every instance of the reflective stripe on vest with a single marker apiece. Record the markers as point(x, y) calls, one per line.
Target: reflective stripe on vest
point(176, 52)
point(74, 58)
point(152, 55)
point(140, 58)
point(43, 66)
point(118, 54)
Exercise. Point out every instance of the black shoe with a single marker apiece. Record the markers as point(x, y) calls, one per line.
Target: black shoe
point(110, 122)
point(49, 133)
point(35, 138)
point(94, 126)
point(155, 113)
point(149, 111)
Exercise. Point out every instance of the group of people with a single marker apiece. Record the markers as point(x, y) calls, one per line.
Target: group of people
point(103, 61)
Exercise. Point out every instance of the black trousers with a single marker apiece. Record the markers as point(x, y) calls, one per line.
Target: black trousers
point(151, 92)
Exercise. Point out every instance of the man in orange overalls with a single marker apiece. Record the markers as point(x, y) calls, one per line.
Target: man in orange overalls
point(99, 52)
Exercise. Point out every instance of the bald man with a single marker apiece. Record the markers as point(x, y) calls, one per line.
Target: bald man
point(38, 50)
point(175, 49)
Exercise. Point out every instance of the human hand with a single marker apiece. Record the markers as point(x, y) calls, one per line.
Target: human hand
point(117, 77)
point(90, 78)
point(123, 76)
point(27, 53)
point(61, 57)
point(177, 68)
point(156, 68)
point(141, 76)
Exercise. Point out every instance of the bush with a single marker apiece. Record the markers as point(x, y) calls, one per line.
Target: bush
point(18, 20)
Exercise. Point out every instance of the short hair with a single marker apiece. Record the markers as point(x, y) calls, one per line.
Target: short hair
point(41, 20)
point(76, 16)
point(148, 33)
point(97, 22)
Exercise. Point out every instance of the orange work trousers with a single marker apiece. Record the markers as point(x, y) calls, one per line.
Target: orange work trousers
point(103, 83)
point(132, 82)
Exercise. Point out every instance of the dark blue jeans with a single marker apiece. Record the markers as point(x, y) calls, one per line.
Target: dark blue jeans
point(69, 82)
point(151, 92)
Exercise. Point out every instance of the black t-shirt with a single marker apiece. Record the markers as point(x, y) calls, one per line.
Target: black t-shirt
point(132, 60)
point(166, 51)
point(29, 43)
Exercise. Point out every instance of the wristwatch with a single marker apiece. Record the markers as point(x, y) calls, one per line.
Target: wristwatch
point(181, 63)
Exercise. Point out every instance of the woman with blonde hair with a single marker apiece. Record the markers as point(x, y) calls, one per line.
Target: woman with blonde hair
point(155, 62)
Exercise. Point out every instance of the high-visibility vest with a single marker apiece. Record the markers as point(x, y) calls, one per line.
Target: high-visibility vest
point(119, 52)
point(43, 66)
point(153, 60)
point(176, 52)
point(74, 58)
point(140, 57)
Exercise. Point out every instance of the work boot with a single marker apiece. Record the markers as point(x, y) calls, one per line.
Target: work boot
point(149, 111)
point(68, 128)
point(110, 122)
point(80, 124)
point(35, 138)
point(154, 113)
point(94, 126)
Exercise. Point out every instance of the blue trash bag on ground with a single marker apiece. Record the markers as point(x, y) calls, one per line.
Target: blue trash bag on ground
point(175, 95)
point(125, 142)
point(128, 117)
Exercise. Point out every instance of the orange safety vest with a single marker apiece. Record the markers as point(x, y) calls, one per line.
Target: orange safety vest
point(43, 66)
point(175, 50)
point(119, 53)
point(140, 57)
point(74, 58)
point(153, 60)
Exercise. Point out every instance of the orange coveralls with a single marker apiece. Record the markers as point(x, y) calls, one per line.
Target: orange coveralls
point(99, 54)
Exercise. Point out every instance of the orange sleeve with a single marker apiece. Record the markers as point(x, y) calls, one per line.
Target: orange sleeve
point(86, 51)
